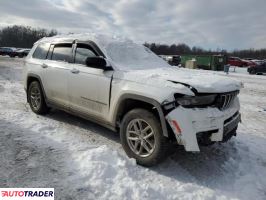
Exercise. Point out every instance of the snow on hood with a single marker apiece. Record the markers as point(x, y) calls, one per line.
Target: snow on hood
point(202, 81)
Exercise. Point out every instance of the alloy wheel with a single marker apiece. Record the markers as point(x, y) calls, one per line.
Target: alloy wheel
point(35, 97)
point(140, 137)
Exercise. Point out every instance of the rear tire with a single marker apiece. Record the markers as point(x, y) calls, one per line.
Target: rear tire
point(141, 137)
point(36, 98)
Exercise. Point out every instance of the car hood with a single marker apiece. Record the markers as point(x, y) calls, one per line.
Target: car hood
point(202, 81)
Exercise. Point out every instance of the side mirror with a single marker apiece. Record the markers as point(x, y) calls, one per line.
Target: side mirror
point(96, 62)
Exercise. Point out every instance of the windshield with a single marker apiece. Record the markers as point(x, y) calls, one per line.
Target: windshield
point(130, 56)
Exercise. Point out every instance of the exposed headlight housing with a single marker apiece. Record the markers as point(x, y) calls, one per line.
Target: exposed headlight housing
point(199, 101)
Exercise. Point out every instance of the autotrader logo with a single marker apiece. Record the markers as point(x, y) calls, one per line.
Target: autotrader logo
point(27, 193)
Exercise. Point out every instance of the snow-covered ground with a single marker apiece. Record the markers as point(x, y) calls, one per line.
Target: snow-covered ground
point(82, 160)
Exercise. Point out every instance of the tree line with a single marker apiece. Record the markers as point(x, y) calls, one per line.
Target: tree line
point(184, 49)
point(25, 37)
point(22, 37)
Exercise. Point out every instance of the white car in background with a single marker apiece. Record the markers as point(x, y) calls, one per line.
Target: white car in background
point(258, 62)
point(127, 88)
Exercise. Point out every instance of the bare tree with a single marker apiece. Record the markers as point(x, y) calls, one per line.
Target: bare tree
point(21, 36)
point(183, 49)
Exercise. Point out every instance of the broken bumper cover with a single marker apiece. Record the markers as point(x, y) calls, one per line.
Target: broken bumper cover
point(186, 123)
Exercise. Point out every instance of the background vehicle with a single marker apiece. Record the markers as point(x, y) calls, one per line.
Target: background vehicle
point(208, 62)
point(258, 69)
point(248, 58)
point(6, 51)
point(20, 53)
point(258, 62)
point(235, 61)
point(131, 90)
point(173, 60)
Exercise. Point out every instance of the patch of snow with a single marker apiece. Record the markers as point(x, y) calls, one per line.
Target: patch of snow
point(199, 79)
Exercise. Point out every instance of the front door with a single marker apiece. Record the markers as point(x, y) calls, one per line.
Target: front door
point(89, 87)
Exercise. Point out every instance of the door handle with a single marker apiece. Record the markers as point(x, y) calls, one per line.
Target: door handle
point(74, 71)
point(44, 66)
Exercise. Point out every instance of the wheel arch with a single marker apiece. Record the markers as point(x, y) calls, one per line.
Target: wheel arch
point(127, 102)
point(34, 77)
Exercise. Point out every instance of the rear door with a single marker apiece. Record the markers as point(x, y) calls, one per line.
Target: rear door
point(34, 63)
point(57, 68)
point(89, 87)
point(236, 62)
point(232, 61)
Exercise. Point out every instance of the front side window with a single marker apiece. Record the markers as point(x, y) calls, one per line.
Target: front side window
point(41, 51)
point(62, 52)
point(82, 52)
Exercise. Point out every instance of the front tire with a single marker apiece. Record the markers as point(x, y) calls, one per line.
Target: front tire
point(252, 71)
point(36, 98)
point(141, 137)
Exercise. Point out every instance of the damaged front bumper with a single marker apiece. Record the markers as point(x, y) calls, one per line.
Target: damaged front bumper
point(193, 125)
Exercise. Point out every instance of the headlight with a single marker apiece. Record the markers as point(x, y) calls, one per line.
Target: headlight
point(196, 100)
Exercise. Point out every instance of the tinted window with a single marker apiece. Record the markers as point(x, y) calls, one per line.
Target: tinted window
point(41, 51)
point(82, 52)
point(62, 52)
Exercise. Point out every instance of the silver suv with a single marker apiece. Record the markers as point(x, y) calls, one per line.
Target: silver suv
point(125, 87)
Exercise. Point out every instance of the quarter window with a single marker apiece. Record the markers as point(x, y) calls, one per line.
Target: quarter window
point(41, 51)
point(62, 52)
point(82, 52)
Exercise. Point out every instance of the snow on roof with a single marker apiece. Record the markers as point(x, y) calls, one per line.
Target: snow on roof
point(123, 52)
point(98, 38)
point(101, 40)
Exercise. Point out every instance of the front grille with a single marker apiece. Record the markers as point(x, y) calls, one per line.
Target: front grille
point(224, 100)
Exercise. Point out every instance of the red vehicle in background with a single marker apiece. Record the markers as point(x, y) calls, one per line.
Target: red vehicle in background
point(235, 61)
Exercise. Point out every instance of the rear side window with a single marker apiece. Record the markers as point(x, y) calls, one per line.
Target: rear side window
point(62, 52)
point(41, 51)
point(82, 52)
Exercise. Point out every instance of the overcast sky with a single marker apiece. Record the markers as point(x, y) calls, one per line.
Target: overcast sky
point(228, 24)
